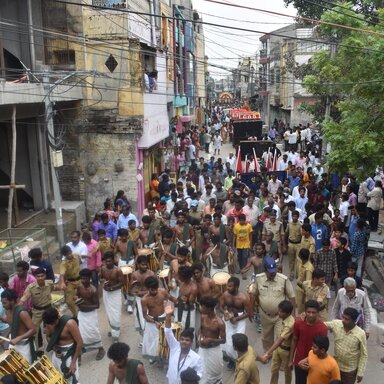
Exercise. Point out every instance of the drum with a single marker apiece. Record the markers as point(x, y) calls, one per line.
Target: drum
point(163, 277)
point(221, 280)
point(43, 372)
point(127, 271)
point(163, 348)
point(153, 263)
point(12, 363)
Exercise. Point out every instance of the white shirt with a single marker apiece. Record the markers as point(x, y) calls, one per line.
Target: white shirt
point(80, 249)
point(302, 215)
point(282, 166)
point(273, 186)
point(292, 157)
point(192, 360)
point(296, 193)
point(292, 138)
point(231, 162)
point(301, 202)
point(344, 209)
point(253, 214)
point(192, 150)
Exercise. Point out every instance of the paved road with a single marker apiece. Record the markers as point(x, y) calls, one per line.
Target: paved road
point(97, 372)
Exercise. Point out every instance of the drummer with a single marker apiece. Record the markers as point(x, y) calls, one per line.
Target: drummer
point(216, 256)
point(205, 285)
point(181, 261)
point(153, 312)
point(217, 228)
point(21, 325)
point(256, 261)
point(125, 250)
point(183, 232)
point(167, 249)
point(185, 311)
point(148, 233)
point(236, 307)
point(138, 290)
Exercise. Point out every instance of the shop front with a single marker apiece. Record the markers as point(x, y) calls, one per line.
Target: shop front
point(150, 150)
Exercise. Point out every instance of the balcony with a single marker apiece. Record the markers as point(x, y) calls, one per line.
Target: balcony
point(29, 93)
point(264, 58)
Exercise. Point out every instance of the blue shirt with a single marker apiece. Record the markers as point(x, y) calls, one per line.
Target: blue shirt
point(293, 182)
point(110, 230)
point(46, 265)
point(122, 222)
point(319, 233)
point(3, 326)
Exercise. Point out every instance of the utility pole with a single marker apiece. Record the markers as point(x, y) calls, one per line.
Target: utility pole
point(55, 181)
point(328, 102)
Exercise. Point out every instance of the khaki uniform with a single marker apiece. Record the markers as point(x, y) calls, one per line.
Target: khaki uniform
point(293, 232)
point(269, 293)
point(320, 294)
point(276, 228)
point(280, 356)
point(304, 273)
point(41, 300)
point(70, 269)
point(307, 243)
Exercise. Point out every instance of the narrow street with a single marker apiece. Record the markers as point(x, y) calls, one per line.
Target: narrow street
point(98, 371)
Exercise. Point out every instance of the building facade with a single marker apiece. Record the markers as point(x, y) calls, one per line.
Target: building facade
point(281, 54)
point(120, 75)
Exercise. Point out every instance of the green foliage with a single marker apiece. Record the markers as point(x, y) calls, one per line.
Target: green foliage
point(353, 80)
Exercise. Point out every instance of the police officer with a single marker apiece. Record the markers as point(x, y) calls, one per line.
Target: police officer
point(268, 290)
point(40, 294)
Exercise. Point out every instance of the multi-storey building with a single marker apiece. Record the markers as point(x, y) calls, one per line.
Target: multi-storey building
point(116, 73)
point(283, 51)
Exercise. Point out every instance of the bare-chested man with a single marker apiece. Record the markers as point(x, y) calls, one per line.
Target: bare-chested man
point(183, 231)
point(20, 324)
point(125, 250)
point(153, 313)
point(148, 233)
point(181, 261)
point(237, 308)
point(216, 256)
point(255, 261)
point(217, 228)
point(205, 285)
point(138, 289)
point(122, 368)
point(88, 304)
point(65, 341)
point(185, 312)
point(211, 336)
point(167, 248)
point(113, 281)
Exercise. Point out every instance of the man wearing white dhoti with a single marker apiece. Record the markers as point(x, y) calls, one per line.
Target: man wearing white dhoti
point(88, 304)
point(153, 313)
point(21, 325)
point(112, 297)
point(236, 307)
point(211, 337)
point(65, 341)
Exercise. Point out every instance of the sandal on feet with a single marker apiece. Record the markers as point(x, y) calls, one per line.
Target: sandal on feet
point(100, 354)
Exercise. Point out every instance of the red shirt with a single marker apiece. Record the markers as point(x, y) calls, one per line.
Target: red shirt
point(305, 334)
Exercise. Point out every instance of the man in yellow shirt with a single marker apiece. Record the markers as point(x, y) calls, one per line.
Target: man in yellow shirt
point(242, 241)
point(246, 371)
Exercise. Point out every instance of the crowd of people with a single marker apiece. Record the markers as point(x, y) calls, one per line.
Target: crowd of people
point(178, 271)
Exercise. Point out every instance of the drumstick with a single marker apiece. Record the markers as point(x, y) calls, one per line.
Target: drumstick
point(4, 338)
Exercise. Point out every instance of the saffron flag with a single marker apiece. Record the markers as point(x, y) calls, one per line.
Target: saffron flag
point(239, 165)
point(274, 163)
point(257, 165)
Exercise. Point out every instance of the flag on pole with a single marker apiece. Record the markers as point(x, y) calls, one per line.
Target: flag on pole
point(239, 166)
point(268, 163)
point(274, 163)
point(257, 165)
point(246, 164)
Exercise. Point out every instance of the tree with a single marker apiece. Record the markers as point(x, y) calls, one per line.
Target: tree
point(354, 80)
point(315, 8)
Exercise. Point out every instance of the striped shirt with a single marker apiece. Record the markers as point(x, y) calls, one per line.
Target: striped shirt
point(350, 347)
